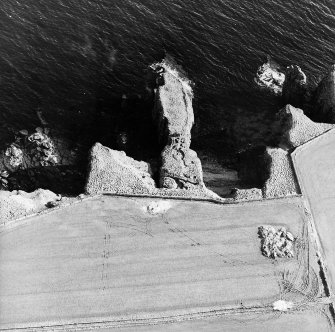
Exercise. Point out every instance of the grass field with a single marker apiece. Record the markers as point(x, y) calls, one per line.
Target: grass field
point(111, 263)
point(315, 167)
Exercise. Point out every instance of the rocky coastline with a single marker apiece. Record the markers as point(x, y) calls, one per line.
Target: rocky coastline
point(43, 158)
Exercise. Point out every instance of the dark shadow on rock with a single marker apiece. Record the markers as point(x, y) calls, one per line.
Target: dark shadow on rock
point(64, 180)
point(252, 168)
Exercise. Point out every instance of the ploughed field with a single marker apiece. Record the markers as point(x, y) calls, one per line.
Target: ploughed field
point(137, 263)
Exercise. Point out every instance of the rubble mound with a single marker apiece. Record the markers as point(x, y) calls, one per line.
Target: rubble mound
point(297, 128)
point(295, 86)
point(276, 243)
point(113, 171)
point(18, 203)
point(325, 98)
point(281, 180)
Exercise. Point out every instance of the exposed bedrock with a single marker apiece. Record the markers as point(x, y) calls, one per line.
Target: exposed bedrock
point(173, 113)
point(296, 128)
point(18, 203)
point(325, 98)
point(281, 180)
point(112, 171)
point(37, 159)
point(181, 168)
point(35, 150)
point(295, 86)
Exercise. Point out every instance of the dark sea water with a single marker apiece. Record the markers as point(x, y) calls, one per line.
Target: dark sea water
point(65, 57)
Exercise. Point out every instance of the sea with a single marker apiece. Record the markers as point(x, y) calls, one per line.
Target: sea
point(63, 58)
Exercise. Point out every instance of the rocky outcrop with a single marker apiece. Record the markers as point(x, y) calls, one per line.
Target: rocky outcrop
point(18, 203)
point(270, 77)
point(295, 86)
point(325, 98)
point(281, 181)
point(173, 113)
point(35, 150)
point(112, 171)
point(29, 153)
point(296, 128)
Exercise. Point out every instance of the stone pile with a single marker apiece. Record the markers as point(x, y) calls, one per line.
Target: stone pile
point(276, 243)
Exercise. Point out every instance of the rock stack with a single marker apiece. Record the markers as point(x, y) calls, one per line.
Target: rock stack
point(173, 112)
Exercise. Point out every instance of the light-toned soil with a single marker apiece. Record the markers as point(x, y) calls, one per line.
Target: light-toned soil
point(124, 261)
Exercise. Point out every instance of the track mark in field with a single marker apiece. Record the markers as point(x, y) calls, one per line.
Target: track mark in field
point(302, 285)
point(109, 249)
point(183, 233)
point(106, 254)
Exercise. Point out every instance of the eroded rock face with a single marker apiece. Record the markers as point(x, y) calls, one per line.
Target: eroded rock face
point(276, 243)
point(281, 181)
point(294, 87)
point(18, 203)
point(112, 171)
point(297, 128)
point(325, 98)
point(181, 168)
point(173, 112)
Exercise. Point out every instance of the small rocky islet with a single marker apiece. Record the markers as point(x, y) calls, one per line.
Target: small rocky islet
point(43, 158)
